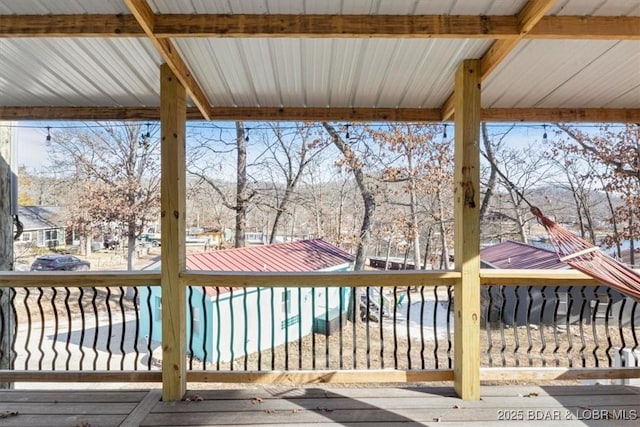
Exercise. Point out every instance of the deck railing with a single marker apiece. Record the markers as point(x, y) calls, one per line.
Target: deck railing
point(294, 327)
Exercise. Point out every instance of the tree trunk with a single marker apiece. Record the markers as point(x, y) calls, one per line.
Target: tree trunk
point(589, 219)
point(444, 260)
point(274, 228)
point(241, 186)
point(577, 203)
point(131, 252)
point(415, 225)
point(427, 248)
point(614, 224)
point(87, 244)
point(518, 216)
point(493, 176)
point(365, 230)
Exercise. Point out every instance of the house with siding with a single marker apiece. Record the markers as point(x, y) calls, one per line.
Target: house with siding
point(224, 323)
point(42, 227)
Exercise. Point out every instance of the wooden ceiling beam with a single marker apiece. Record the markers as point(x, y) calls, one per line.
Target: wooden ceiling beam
point(88, 113)
point(586, 28)
point(416, 115)
point(318, 26)
point(146, 18)
point(561, 115)
point(338, 26)
point(69, 26)
point(532, 12)
point(528, 17)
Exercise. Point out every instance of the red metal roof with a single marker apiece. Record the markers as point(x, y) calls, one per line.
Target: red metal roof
point(303, 255)
point(512, 254)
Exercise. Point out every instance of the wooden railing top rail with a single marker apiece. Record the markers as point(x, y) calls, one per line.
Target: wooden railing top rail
point(84, 279)
point(370, 376)
point(295, 279)
point(322, 278)
point(538, 277)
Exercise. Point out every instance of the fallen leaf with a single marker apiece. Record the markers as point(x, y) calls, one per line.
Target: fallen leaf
point(7, 414)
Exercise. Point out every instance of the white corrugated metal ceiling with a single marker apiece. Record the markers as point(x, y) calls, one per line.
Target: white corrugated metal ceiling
point(376, 72)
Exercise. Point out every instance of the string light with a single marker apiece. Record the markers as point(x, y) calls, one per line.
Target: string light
point(444, 134)
point(246, 135)
point(48, 133)
point(544, 135)
point(218, 125)
point(347, 134)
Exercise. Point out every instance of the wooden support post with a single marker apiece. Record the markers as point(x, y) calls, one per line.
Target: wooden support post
point(467, 231)
point(6, 250)
point(173, 116)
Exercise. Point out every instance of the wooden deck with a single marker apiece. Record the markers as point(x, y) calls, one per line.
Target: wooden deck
point(285, 406)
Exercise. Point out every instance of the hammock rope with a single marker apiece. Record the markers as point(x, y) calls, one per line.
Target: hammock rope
point(589, 259)
point(582, 255)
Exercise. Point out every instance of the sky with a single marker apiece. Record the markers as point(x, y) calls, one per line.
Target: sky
point(32, 149)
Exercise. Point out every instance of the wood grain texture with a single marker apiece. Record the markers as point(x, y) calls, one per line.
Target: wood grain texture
point(315, 26)
point(82, 279)
point(146, 18)
point(355, 114)
point(467, 230)
point(273, 405)
point(320, 279)
point(173, 212)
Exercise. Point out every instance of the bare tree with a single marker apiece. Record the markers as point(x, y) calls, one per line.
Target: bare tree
point(367, 187)
point(616, 150)
point(116, 171)
point(577, 178)
point(205, 163)
point(422, 162)
point(520, 172)
point(286, 157)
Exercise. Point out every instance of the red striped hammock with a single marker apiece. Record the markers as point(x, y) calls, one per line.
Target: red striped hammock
point(589, 259)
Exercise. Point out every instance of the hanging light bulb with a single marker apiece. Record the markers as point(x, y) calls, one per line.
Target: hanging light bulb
point(246, 135)
point(347, 136)
point(444, 134)
point(544, 135)
point(148, 134)
point(48, 134)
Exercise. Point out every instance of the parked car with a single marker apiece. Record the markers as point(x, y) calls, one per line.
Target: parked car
point(58, 262)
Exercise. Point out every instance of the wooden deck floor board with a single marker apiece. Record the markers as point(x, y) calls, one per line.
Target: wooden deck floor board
point(29, 420)
point(371, 416)
point(55, 408)
point(327, 407)
point(249, 405)
point(122, 396)
point(137, 416)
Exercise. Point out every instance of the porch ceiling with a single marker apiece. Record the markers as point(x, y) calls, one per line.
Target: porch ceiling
point(542, 60)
